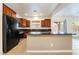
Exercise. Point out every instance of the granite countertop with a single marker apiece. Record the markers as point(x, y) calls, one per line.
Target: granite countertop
point(48, 33)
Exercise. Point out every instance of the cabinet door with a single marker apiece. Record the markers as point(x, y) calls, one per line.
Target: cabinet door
point(46, 23)
point(49, 22)
point(7, 11)
point(13, 14)
point(4, 9)
point(24, 23)
point(42, 23)
point(21, 22)
point(27, 23)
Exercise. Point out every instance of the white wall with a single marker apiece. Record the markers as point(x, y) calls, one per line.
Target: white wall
point(0, 28)
point(68, 12)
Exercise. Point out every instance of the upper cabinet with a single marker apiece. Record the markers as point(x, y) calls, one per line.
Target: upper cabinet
point(27, 23)
point(23, 22)
point(8, 11)
point(46, 23)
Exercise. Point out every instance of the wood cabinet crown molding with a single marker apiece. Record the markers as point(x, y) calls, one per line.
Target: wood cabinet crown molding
point(8, 11)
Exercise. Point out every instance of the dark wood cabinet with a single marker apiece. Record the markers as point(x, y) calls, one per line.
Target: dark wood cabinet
point(27, 23)
point(4, 9)
point(20, 21)
point(46, 23)
point(8, 11)
point(42, 23)
point(24, 23)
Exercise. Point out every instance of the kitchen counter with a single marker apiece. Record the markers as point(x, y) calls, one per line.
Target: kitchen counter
point(33, 28)
point(48, 33)
point(47, 41)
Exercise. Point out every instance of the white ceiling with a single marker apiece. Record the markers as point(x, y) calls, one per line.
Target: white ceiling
point(71, 9)
point(26, 9)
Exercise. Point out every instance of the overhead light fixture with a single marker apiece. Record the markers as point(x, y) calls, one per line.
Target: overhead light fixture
point(35, 16)
point(62, 23)
point(34, 10)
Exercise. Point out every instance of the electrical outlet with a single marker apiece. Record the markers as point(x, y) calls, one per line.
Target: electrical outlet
point(51, 44)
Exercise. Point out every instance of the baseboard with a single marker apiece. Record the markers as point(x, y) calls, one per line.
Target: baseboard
point(49, 51)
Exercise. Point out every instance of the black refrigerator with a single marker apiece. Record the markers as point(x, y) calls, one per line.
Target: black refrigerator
point(10, 33)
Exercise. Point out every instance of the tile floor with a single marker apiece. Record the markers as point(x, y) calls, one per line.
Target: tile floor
point(19, 49)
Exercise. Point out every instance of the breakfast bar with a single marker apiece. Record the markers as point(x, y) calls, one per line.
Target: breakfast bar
point(44, 41)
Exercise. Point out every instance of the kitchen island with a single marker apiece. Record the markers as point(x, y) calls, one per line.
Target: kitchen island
point(49, 42)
